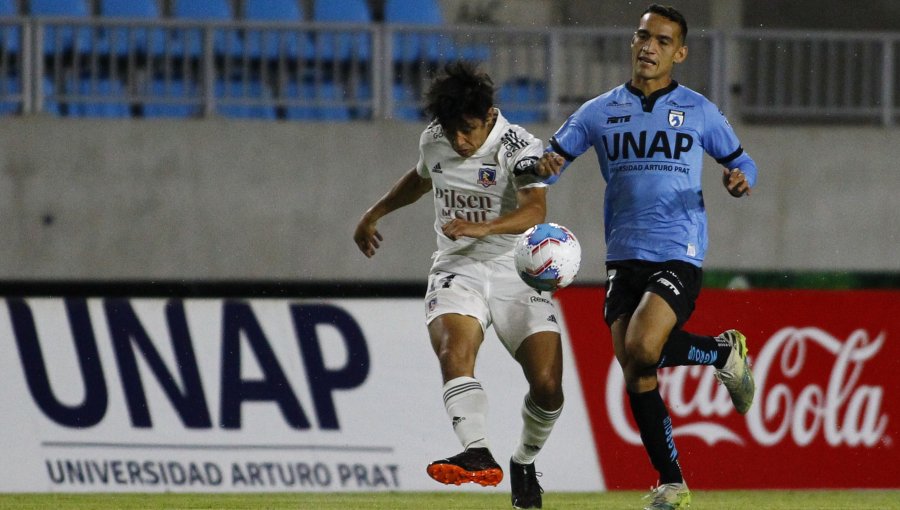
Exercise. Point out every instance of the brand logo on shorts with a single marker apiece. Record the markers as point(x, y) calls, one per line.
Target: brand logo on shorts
point(670, 285)
point(536, 299)
point(552, 318)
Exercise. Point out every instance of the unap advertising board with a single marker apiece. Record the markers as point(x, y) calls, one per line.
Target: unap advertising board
point(113, 394)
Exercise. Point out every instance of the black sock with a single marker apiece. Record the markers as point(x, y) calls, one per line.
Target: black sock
point(655, 425)
point(683, 348)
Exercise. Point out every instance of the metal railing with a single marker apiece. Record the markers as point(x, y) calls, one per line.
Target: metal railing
point(327, 71)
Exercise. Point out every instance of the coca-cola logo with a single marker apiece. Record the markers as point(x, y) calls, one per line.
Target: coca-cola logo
point(839, 408)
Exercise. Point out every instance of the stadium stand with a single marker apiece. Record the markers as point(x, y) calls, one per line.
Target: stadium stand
point(188, 41)
point(66, 38)
point(273, 44)
point(521, 100)
point(342, 45)
point(120, 40)
point(102, 97)
point(10, 35)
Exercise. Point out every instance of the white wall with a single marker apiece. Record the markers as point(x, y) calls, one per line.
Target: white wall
point(222, 199)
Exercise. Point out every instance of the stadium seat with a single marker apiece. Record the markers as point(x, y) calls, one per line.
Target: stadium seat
point(63, 38)
point(324, 102)
point(10, 95)
point(272, 44)
point(189, 42)
point(10, 35)
point(412, 46)
point(343, 45)
point(100, 98)
point(522, 100)
point(118, 40)
point(51, 98)
point(230, 94)
point(174, 98)
point(406, 103)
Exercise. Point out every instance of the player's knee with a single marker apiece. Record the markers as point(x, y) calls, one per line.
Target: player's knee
point(455, 361)
point(641, 354)
point(546, 391)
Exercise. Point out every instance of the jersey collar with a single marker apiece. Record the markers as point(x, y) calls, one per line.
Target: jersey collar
point(648, 102)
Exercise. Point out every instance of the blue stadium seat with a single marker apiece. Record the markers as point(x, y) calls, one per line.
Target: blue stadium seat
point(10, 35)
point(51, 98)
point(406, 103)
point(189, 42)
point(272, 44)
point(412, 47)
point(10, 95)
point(63, 38)
point(325, 102)
point(259, 107)
point(117, 40)
point(343, 46)
point(100, 98)
point(174, 98)
point(522, 100)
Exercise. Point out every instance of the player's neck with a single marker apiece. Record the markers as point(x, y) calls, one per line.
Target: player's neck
point(649, 86)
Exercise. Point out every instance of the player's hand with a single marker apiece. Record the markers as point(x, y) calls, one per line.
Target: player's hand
point(367, 237)
point(735, 182)
point(457, 228)
point(550, 163)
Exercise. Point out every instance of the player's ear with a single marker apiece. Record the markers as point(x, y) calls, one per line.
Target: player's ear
point(681, 54)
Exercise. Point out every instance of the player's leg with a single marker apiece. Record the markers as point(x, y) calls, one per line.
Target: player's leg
point(640, 323)
point(540, 356)
point(456, 339)
point(679, 284)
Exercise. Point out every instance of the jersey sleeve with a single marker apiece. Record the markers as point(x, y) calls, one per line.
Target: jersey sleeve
point(573, 139)
point(422, 165)
point(721, 142)
point(519, 152)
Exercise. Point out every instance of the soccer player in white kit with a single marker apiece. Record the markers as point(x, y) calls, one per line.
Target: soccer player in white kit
point(479, 169)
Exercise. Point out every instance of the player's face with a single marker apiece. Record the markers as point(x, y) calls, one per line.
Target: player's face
point(471, 135)
point(656, 47)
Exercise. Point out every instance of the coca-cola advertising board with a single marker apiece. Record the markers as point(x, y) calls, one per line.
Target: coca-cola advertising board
point(826, 365)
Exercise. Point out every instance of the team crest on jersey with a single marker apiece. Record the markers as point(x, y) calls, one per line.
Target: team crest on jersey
point(676, 118)
point(487, 176)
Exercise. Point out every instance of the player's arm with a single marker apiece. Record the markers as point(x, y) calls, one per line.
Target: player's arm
point(531, 210)
point(721, 142)
point(405, 191)
point(570, 141)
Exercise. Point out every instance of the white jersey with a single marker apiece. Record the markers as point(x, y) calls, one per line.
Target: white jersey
point(478, 188)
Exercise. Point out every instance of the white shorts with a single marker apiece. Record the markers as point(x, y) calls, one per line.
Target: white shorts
point(491, 292)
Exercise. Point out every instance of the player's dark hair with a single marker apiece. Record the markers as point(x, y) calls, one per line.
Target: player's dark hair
point(459, 91)
point(670, 13)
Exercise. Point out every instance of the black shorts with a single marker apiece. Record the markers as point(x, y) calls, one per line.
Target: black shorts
point(675, 281)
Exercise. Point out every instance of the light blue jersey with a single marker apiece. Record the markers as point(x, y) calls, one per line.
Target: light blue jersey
point(650, 151)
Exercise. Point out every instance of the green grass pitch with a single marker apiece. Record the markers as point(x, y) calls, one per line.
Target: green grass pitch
point(718, 500)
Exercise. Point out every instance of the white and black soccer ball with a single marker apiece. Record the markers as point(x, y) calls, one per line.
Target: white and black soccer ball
point(548, 256)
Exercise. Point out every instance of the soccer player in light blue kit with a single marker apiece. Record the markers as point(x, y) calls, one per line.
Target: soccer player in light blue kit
point(650, 135)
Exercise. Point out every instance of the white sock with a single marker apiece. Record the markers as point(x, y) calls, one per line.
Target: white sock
point(466, 404)
point(538, 423)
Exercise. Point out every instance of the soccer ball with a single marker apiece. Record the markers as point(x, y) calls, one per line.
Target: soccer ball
point(548, 256)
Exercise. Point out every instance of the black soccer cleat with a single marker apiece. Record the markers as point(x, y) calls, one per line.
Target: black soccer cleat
point(475, 465)
point(526, 491)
